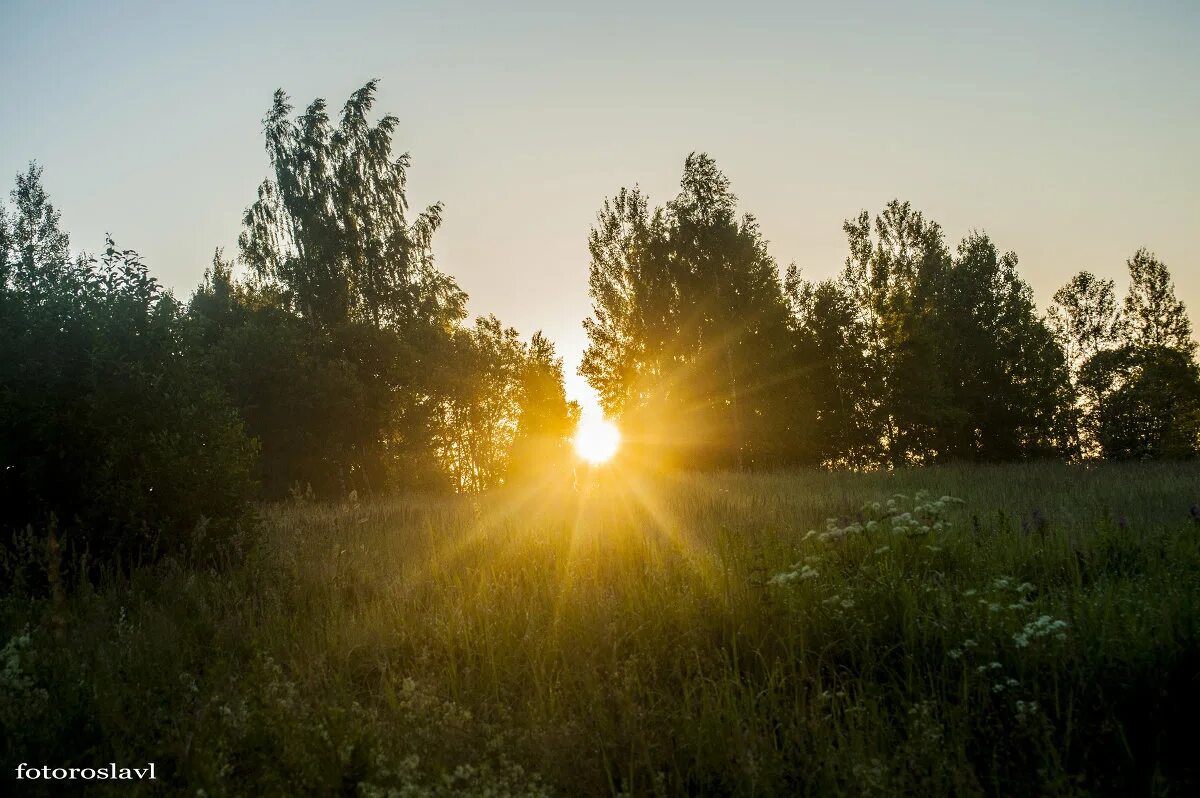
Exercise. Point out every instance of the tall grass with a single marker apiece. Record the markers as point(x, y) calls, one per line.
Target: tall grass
point(635, 638)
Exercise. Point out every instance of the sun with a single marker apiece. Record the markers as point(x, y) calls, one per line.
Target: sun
point(596, 440)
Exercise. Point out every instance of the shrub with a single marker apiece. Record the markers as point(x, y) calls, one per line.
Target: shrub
point(108, 432)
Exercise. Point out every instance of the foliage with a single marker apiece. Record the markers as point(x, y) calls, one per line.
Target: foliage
point(916, 356)
point(1006, 374)
point(1085, 318)
point(110, 438)
point(1152, 317)
point(344, 350)
point(688, 334)
point(1135, 374)
point(315, 409)
point(833, 352)
point(506, 408)
point(1147, 402)
point(546, 418)
point(895, 280)
point(331, 228)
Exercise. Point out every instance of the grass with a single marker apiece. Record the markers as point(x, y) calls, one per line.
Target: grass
point(636, 638)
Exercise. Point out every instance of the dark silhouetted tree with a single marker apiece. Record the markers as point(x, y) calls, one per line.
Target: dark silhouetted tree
point(1147, 402)
point(331, 229)
point(1142, 398)
point(1006, 376)
point(350, 323)
point(688, 335)
point(1085, 318)
point(1086, 321)
point(344, 349)
point(108, 433)
point(917, 356)
point(894, 279)
point(1153, 317)
point(833, 356)
point(482, 408)
point(630, 358)
point(505, 413)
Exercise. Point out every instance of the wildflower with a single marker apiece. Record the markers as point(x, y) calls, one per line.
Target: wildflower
point(1007, 684)
point(1042, 626)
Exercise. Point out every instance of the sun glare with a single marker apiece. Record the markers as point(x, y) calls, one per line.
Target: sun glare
point(596, 440)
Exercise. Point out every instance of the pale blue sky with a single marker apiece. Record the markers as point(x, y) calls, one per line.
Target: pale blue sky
point(1069, 131)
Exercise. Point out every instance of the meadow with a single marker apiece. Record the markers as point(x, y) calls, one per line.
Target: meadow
point(1036, 631)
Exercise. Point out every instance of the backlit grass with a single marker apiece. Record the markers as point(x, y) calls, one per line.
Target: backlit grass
point(636, 637)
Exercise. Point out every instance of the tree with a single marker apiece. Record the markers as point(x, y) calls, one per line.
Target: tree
point(1148, 402)
point(109, 437)
point(832, 357)
point(689, 325)
point(945, 356)
point(894, 279)
point(37, 260)
point(504, 412)
point(331, 228)
point(320, 415)
point(1153, 317)
point(1006, 376)
point(1085, 318)
point(635, 306)
point(1086, 321)
point(1142, 397)
point(546, 418)
point(733, 323)
point(348, 318)
point(344, 349)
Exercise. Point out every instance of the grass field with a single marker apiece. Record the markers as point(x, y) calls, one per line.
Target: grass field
point(657, 636)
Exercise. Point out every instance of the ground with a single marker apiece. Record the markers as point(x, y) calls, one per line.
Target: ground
point(994, 630)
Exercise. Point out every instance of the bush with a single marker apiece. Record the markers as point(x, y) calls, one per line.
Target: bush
point(108, 432)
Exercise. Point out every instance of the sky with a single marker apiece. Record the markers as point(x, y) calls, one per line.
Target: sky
point(1069, 131)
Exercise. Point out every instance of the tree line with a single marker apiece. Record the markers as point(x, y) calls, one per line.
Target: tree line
point(914, 354)
point(331, 356)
